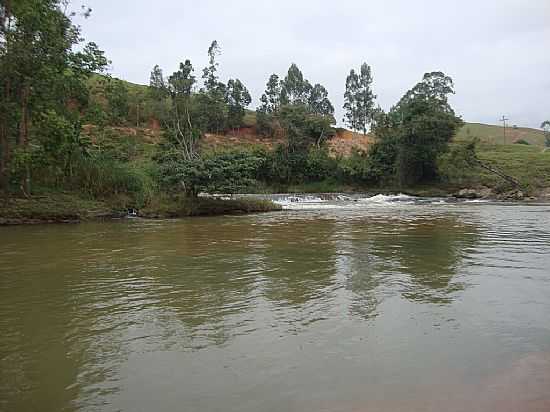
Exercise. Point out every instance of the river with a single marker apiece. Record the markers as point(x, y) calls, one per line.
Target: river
point(366, 304)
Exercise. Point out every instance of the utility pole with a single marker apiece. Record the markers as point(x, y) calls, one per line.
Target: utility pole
point(504, 120)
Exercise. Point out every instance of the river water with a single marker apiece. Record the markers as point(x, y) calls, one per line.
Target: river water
point(364, 304)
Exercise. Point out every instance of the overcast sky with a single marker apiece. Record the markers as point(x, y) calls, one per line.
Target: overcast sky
point(496, 51)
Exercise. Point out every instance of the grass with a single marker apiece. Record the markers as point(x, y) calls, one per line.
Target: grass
point(53, 207)
point(529, 164)
point(492, 134)
point(72, 207)
point(179, 206)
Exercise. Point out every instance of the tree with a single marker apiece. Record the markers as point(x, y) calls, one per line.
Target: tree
point(238, 98)
point(293, 103)
point(365, 98)
point(359, 99)
point(179, 122)
point(209, 73)
point(434, 89)
point(269, 109)
point(304, 129)
point(418, 129)
point(318, 101)
point(157, 85)
point(181, 83)
point(545, 126)
point(211, 99)
point(351, 114)
point(294, 88)
point(271, 99)
point(41, 71)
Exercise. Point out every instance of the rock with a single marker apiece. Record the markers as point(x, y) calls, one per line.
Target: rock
point(515, 194)
point(478, 193)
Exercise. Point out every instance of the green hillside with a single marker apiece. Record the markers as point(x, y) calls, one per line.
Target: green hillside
point(493, 134)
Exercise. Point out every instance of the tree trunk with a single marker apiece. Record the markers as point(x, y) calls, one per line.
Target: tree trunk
point(23, 140)
point(4, 119)
point(5, 156)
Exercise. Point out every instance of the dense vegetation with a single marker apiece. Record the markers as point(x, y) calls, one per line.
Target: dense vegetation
point(67, 126)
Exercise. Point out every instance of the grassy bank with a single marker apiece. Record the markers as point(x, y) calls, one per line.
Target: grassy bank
point(179, 206)
point(72, 208)
point(52, 208)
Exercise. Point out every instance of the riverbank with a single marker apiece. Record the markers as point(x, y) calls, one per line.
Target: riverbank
point(71, 208)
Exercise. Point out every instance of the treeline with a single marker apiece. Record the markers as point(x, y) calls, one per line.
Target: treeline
point(410, 138)
point(50, 89)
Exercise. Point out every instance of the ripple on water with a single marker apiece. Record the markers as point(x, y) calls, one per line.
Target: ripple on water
point(426, 301)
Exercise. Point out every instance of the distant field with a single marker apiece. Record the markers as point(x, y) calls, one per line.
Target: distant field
point(493, 134)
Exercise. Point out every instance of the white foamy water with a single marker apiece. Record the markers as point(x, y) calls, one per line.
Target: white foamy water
point(341, 201)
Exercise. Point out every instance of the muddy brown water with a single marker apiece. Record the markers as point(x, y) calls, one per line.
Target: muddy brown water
point(334, 306)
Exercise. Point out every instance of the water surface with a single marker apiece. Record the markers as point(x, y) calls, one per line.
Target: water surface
point(387, 304)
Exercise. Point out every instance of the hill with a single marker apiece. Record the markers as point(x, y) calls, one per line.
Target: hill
point(343, 143)
point(493, 134)
point(530, 164)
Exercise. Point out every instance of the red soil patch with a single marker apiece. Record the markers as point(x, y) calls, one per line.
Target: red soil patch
point(346, 141)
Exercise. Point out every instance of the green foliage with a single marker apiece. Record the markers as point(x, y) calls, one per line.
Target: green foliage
point(96, 115)
point(265, 124)
point(319, 165)
point(417, 130)
point(61, 142)
point(522, 141)
point(158, 89)
point(211, 101)
point(180, 83)
point(102, 176)
point(238, 98)
point(117, 99)
point(209, 73)
point(227, 172)
point(359, 99)
point(303, 128)
point(41, 74)
point(295, 90)
point(459, 164)
point(283, 166)
point(318, 101)
point(210, 113)
point(302, 111)
point(271, 99)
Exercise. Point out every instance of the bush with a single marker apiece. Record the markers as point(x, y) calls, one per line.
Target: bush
point(101, 175)
point(522, 141)
point(319, 165)
point(227, 172)
point(458, 165)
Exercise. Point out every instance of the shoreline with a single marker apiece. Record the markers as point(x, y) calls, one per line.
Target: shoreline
point(71, 208)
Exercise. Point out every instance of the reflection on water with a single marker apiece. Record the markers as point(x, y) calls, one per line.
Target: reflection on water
point(306, 310)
